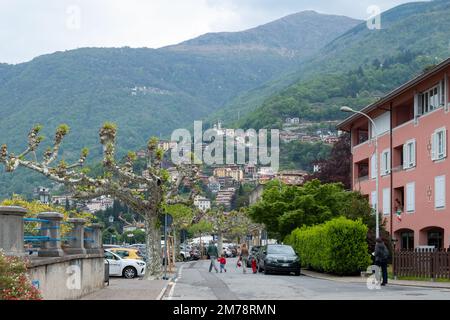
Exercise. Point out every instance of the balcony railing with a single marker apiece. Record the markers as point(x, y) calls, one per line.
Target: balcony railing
point(361, 179)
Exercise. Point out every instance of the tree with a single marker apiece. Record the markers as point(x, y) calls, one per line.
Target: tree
point(336, 168)
point(144, 193)
point(182, 219)
point(284, 208)
point(226, 223)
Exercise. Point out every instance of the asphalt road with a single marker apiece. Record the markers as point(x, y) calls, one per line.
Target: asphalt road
point(196, 283)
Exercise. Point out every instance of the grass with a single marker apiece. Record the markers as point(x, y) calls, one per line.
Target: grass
point(391, 276)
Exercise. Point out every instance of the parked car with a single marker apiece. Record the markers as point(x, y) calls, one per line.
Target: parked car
point(127, 253)
point(278, 258)
point(109, 246)
point(128, 268)
point(253, 254)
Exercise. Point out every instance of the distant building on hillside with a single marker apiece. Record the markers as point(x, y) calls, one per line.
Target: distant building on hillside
point(294, 120)
point(225, 198)
point(292, 177)
point(202, 203)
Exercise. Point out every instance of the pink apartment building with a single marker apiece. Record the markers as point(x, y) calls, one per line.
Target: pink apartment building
point(413, 164)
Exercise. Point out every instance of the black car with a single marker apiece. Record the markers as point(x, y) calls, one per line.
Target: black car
point(253, 255)
point(278, 258)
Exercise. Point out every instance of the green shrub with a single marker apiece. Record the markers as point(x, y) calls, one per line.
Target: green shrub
point(14, 282)
point(338, 246)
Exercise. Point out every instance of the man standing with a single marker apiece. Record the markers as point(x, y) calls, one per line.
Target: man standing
point(381, 259)
point(213, 254)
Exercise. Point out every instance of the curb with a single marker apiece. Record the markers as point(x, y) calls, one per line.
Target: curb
point(171, 281)
point(391, 283)
point(161, 294)
point(330, 279)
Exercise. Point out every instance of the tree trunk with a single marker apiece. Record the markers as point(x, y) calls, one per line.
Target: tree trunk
point(153, 244)
point(175, 247)
point(220, 242)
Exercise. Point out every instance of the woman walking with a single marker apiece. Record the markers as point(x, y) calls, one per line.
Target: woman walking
point(243, 257)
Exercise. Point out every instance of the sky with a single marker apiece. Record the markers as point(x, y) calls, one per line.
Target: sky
point(29, 28)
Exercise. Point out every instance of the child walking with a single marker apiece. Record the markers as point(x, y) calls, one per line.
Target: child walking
point(223, 262)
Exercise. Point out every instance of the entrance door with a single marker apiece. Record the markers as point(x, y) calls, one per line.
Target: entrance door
point(435, 238)
point(407, 240)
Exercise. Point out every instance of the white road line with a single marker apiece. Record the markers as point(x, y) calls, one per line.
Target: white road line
point(174, 284)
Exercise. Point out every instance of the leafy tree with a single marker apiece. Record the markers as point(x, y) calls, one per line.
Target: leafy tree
point(284, 208)
point(337, 166)
point(144, 193)
point(35, 207)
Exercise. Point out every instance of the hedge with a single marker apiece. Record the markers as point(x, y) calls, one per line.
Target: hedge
point(338, 246)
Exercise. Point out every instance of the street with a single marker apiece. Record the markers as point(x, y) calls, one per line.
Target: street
point(196, 283)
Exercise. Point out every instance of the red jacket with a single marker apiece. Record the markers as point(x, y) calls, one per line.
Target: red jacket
point(222, 260)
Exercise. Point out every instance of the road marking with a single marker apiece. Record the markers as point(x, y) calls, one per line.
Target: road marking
point(174, 284)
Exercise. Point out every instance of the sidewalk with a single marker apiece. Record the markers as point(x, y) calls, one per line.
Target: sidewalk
point(355, 279)
point(131, 289)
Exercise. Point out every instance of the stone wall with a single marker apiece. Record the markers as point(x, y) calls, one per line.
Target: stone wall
point(67, 277)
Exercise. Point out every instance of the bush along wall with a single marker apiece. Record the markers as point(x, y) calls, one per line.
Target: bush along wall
point(14, 282)
point(338, 246)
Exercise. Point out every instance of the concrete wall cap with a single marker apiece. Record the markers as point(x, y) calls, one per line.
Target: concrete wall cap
point(12, 210)
point(50, 215)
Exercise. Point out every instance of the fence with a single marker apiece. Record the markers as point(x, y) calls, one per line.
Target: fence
point(44, 230)
point(430, 263)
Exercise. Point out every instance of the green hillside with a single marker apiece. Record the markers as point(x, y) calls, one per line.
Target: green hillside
point(355, 68)
point(147, 91)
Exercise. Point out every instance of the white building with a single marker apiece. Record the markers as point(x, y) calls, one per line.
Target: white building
point(202, 203)
point(99, 204)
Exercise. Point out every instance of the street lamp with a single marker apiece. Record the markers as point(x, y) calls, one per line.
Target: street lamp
point(348, 109)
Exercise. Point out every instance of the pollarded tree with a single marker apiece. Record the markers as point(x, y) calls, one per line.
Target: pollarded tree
point(234, 223)
point(144, 193)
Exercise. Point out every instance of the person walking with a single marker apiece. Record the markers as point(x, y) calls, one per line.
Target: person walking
point(213, 255)
point(243, 257)
point(381, 258)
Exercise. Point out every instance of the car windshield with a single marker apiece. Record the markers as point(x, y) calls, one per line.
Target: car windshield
point(280, 250)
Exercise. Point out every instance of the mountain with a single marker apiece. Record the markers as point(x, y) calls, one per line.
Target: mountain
point(354, 69)
point(297, 35)
point(173, 85)
point(148, 91)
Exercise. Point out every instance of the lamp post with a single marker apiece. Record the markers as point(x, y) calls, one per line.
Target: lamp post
point(375, 132)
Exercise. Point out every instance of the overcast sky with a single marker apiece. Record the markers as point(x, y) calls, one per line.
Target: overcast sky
point(29, 28)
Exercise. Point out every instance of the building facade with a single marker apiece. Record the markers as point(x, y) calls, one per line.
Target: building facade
point(412, 165)
point(202, 203)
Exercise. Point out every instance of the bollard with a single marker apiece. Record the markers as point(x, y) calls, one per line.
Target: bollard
point(51, 229)
point(93, 239)
point(11, 230)
point(76, 237)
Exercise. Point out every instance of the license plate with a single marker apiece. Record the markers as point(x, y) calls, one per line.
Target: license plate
point(285, 265)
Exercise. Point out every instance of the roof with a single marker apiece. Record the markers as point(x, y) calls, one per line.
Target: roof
point(394, 93)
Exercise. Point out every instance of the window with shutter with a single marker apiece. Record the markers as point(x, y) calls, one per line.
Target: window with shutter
point(373, 166)
point(373, 199)
point(433, 146)
point(386, 201)
point(409, 154)
point(439, 192)
point(410, 197)
point(385, 162)
point(439, 144)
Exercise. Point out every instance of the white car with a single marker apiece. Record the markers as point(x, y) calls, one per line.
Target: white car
point(128, 268)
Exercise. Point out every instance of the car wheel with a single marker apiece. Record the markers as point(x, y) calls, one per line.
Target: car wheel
point(129, 272)
point(265, 270)
point(297, 273)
